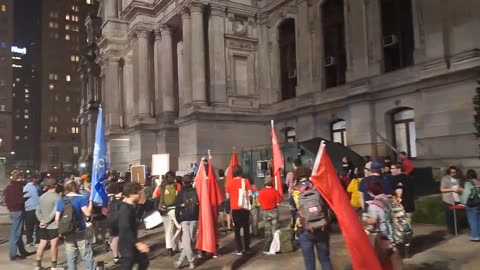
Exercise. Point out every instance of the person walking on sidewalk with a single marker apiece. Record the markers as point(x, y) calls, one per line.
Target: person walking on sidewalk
point(312, 221)
point(48, 229)
point(31, 196)
point(16, 205)
point(240, 211)
point(132, 251)
point(186, 213)
point(269, 199)
point(471, 198)
point(77, 240)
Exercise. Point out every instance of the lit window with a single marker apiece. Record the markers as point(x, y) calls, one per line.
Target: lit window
point(72, 58)
point(290, 135)
point(75, 150)
point(26, 127)
point(55, 129)
point(89, 2)
point(2, 108)
point(26, 91)
point(56, 97)
point(17, 116)
point(67, 17)
point(67, 37)
point(67, 99)
point(17, 138)
point(50, 76)
point(4, 8)
point(50, 129)
point(55, 77)
point(77, 58)
point(50, 86)
point(17, 79)
point(27, 95)
point(67, 78)
point(26, 116)
point(73, 130)
point(25, 138)
point(67, 26)
point(26, 111)
point(50, 24)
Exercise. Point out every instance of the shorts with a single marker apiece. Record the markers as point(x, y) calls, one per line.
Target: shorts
point(48, 234)
point(224, 207)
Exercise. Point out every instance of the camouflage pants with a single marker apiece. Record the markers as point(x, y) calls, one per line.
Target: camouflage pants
point(270, 219)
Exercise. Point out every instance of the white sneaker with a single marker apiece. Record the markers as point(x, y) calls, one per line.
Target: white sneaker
point(191, 265)
point(57, 268)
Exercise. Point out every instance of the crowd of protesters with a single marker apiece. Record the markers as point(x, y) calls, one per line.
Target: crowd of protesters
point(39, 210)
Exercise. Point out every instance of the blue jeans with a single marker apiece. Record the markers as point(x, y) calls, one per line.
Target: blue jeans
point(79, 243)
point(319, 240)
point(473, 216)
point(16, 240)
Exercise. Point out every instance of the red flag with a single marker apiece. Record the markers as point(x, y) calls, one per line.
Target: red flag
point(233, 162)
point(277, 162)
point(325, 179)
point(216, 197)
point(206, 225)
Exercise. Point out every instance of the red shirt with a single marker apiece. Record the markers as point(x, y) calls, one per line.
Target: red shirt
point(268, 198)
point(232, 190)
point(408, 166)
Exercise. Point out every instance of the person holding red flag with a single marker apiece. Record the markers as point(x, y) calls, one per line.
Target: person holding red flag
point(325, 180)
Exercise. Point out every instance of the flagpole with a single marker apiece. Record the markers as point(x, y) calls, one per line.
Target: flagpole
point(321, 147)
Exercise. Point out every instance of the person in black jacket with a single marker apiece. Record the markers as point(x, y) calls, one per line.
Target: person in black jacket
point(186, 213)
point(132, 251)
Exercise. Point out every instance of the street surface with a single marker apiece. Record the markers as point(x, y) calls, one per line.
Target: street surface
point(430, 250)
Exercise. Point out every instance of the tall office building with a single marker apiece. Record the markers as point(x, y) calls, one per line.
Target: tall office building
point(6, 36)
point(26, 85)
point(63, 38)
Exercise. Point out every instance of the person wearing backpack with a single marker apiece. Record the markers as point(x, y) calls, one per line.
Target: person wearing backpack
point(48, 229)
point(384, 227)
point(186, 213)
point(167, 191)
point(71, 212)
point(471, 198)
point(312, 224)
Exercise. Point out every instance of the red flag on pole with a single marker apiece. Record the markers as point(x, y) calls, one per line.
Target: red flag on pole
point(233, 162)
point(206, 225)
point(216, 197)
point(277, 162)
point(325, 179)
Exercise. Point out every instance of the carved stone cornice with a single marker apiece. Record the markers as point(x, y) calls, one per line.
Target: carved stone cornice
point(143, 32)
point(185, 14)
point(217, 10)
point(196, 7)
point(165, 30)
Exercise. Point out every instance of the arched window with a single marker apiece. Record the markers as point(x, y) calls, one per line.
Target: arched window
point(339, 132)
point(288, 58)
point(334, 43)
point(290, 135)
point(404, 132)
point(397, 31)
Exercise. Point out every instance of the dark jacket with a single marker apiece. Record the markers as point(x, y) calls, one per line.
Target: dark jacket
point(14, 196)
point(186, 204)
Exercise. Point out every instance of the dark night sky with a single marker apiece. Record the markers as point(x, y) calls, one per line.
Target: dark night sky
point(27, 22)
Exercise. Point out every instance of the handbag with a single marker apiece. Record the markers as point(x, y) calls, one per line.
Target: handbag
point(243, 200)
point(474, 199)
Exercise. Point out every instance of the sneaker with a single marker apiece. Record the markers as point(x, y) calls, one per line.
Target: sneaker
point(268, 253)
point(177, 265)
point(191, 265)
point(239, 253)
point(32, 244)
point(116, 261)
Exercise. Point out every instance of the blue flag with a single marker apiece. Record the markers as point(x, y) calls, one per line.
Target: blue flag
point(98, 195)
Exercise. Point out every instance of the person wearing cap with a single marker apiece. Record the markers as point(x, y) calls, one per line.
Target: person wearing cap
point(373, 170)
point(16, 205)
point(48, 229)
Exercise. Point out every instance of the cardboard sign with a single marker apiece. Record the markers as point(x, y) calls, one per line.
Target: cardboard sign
point(138, 174)
point(160, 164)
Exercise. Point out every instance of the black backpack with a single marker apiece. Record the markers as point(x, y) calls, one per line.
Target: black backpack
point(114, 214)
point(68, 219)
point(190, 203)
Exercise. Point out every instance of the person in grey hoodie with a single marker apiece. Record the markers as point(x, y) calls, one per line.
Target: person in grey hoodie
point(48, 227)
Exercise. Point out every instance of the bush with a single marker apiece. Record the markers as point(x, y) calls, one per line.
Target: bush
point(431, 210)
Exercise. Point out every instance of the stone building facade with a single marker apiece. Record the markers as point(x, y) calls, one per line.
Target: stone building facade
point(183, 76)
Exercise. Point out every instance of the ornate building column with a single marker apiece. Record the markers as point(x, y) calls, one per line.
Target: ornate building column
point(216, 40)
point(157, 56)
point(198, 55)
point(143, 63)
point(303, 45)
point(318, 55)
point(168, 91)
point(112, 112)
point(187, 57)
